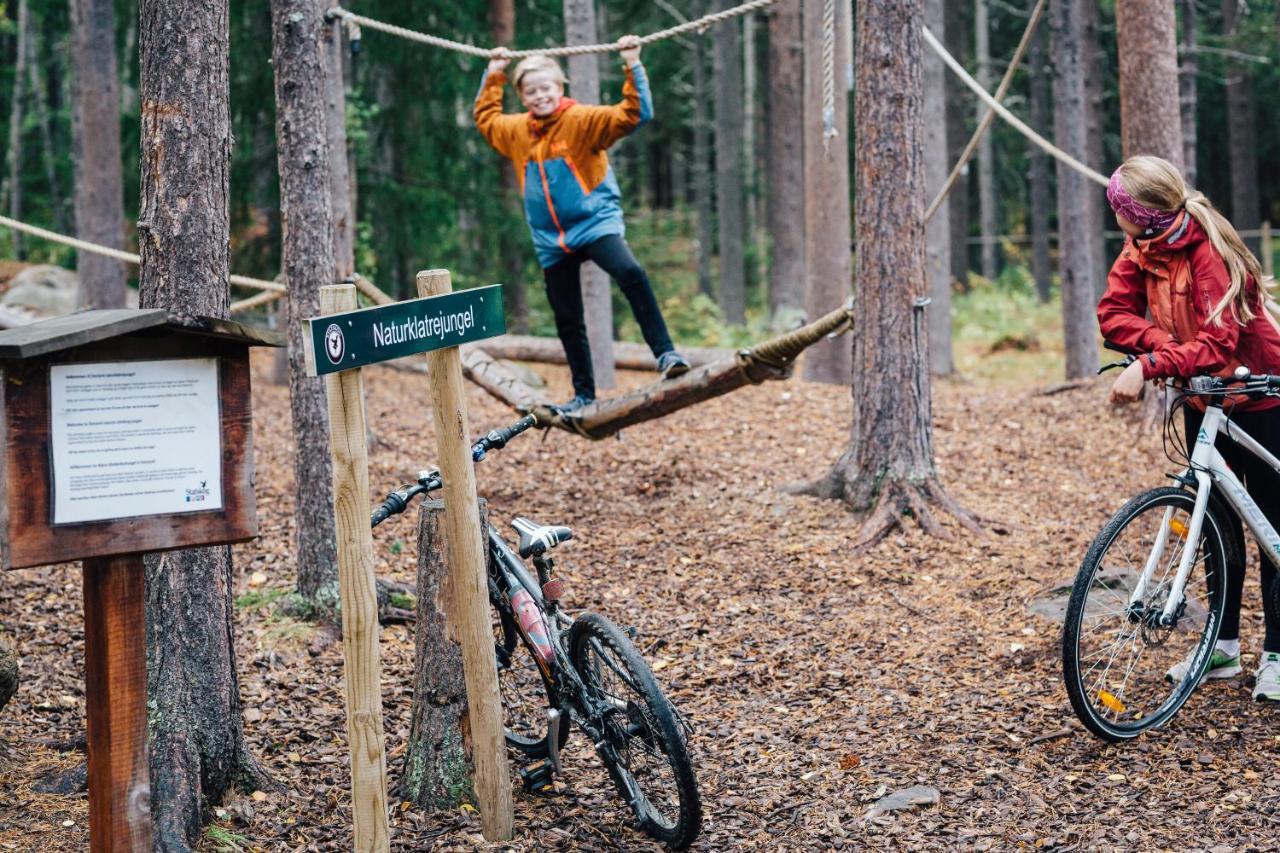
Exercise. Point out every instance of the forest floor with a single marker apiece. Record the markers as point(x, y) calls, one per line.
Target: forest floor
point(817, 680)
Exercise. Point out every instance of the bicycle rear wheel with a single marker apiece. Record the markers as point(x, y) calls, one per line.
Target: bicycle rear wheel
point(1124, 671)
point(645, 750)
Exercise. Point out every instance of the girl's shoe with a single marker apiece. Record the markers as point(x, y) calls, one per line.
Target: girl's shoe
point(1221, 665)
point(1266, 688)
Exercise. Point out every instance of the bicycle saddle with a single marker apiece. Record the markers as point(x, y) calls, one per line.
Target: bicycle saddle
point(536, 539)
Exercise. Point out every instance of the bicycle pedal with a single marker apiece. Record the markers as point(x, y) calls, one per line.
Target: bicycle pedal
point(553, 589)
point(538, 777)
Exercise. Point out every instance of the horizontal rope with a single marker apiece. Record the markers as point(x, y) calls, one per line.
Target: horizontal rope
point(117, 254)
point(571, 50)
point(1000, 110)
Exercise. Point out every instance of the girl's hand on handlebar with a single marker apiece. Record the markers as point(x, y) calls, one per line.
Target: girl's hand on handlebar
point(1128, 385)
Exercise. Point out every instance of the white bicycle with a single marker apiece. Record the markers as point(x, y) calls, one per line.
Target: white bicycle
point(1152, 587)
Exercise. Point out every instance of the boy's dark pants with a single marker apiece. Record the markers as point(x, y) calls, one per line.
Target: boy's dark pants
point(564, 292)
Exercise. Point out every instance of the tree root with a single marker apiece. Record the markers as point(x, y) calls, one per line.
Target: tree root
point(893, 500)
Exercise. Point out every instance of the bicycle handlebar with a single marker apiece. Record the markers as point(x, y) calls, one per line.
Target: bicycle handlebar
point(398, 500)
point(1253, 383)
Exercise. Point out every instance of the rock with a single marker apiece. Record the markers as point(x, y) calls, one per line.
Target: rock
point(8, 672)
point(44, 289)
point(917, 795)
point(71, 781)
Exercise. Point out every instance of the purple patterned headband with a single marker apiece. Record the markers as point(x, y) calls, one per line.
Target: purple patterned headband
point(1139, 214)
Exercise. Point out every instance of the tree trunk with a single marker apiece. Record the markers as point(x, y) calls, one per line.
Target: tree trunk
point(8, 672)
point(1150, 120)
point(197, 737)
point(1095, 115)
point(753, 162)
point(786, 162)
point(438, 765)
point(828, 263)
point(597, 298)
point(937, 230)
point(99, 189)
point(729, 200)
point(1242, 134)
point(15, 125)
point(1038, 165)
point(887, 467)
point(314, 245)
point(339, 205)
point(512, 240)
point(702, 163)
point(958, 113)
point(987, 214)
point(36, 73)
point(1076, 230)
point(1187, 72)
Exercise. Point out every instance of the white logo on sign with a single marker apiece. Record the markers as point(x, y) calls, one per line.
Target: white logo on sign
point(335, 345)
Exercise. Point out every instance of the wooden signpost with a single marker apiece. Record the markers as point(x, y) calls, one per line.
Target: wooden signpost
point(338, 344)
point(125, 431)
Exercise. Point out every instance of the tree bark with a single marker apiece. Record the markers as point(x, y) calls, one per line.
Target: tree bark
point(1242, 134)
point(8, 672)
point(438, 766)
point(1150, 119)
point(938, 229)
point(99, 190)
point(340, 206)
point(828, 262)
point(313, 241)
point(987, 214)
point(958, 113)
point(197, 737)
point(16, 106)
point(729, 198)
point(36, 73)
point(1076, 229)
point(512, 239)
point(597, 298)
point(702, 163)
point(887, 467)
point(1038, 166)
point(786, 162)
point(1095, 115)
point(1187, 72)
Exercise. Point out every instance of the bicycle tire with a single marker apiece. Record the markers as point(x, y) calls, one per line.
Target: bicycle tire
point(649, 729)
point(1201, 614)
point(523, 688)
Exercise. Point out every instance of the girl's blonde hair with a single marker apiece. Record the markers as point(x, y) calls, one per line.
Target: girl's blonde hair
point(1156, 183)
point(538, 62)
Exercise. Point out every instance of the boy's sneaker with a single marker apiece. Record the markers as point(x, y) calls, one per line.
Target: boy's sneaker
point(672, 364)
point(1221, 665)
point(579, 401)
point(1267, 686)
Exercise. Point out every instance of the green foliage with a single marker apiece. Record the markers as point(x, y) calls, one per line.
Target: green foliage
point(257, 599)
point(222, 840)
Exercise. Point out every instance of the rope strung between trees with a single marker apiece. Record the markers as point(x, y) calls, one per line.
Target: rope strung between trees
point(829, 131)
point(572, 50)
point(117, 254)
point(990, 115)
point(1000, 110)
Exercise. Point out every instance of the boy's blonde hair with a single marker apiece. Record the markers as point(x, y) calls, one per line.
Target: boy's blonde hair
point(538, 62)
point(1156, 183)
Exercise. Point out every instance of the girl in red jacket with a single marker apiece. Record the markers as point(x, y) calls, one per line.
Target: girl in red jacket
point(1185, 265)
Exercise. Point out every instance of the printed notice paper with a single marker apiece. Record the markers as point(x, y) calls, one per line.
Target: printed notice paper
point(134, 438)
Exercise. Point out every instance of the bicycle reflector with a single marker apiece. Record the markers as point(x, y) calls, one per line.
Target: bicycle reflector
point(1112, 703)
point(1179, 529)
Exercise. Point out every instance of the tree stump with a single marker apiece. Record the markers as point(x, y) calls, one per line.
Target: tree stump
point(438, 766)
point(8, 672)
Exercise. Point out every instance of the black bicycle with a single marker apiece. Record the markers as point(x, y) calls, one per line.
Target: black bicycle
point(554, 670)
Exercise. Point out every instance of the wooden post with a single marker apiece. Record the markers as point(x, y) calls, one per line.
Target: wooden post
point(467, 577)
point(115, 652)
point(349, 447)
point(1264, 246)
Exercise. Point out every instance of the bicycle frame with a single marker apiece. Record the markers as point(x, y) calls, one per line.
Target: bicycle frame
point(1210, 469)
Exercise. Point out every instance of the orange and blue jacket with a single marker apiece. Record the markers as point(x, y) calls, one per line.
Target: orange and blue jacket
point(571, 197)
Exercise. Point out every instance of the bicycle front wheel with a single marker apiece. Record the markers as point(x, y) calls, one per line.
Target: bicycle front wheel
point(1125, 670)
point(644, 745)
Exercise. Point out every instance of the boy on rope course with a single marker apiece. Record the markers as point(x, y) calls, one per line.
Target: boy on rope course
point(1185, 263)
point(571, 197)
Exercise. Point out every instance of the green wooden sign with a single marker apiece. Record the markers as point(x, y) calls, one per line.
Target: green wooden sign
point(370, 335)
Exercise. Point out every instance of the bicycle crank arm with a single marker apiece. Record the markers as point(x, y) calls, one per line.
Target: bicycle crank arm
point(553, 738)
